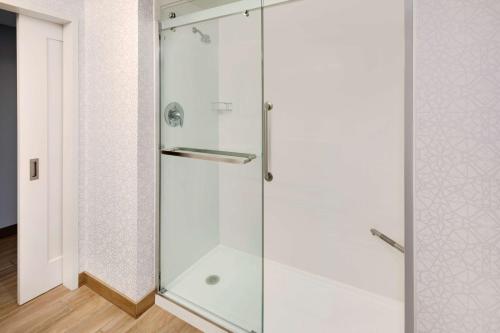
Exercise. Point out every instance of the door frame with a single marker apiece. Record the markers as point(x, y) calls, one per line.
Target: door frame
point(70, 133)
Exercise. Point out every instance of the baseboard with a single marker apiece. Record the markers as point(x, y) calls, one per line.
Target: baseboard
point(8, 231)
point(135, 309)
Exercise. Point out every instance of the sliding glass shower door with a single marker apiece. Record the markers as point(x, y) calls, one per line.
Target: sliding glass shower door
point(211, 120)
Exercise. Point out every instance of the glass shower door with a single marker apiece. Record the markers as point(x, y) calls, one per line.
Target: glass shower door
point(211, 167)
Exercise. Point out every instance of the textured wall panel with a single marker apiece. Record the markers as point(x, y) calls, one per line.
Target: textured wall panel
point(457, 185)
point(109, 227)
point(118, 221)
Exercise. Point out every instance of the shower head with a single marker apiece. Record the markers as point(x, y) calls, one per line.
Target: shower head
point(204, 37)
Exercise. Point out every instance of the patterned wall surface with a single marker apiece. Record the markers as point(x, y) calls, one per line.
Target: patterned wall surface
point(109, 216)
point(457, 183)
point(117, 131)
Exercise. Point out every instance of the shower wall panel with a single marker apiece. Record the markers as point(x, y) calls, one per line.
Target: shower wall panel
point(334, 71)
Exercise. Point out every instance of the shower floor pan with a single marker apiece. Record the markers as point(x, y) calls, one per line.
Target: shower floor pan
point(295, 301)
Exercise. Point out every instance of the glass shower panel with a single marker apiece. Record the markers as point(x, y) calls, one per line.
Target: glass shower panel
point(211, 169)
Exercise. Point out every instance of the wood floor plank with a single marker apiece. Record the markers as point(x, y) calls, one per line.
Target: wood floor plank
point(118, 324)
point(86, 309)
point(8, 291)
point(78, 311)
point(97, 319)
point(155, 320)
point(34, 306)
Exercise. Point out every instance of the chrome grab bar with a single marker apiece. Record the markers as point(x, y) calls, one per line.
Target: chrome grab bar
point(268, 176)
point(388, 240)
point(210, 155)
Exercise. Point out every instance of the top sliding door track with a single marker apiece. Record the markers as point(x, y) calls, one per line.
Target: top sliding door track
point(208, 14)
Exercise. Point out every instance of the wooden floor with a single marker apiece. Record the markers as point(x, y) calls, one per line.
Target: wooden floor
point(61, 310)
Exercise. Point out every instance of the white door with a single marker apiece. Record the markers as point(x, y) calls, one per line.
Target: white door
point(39, 66)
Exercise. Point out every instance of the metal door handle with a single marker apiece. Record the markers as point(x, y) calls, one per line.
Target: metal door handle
point(268, 176)
point(34, 166)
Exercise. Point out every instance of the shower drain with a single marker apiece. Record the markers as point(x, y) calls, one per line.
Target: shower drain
point(212, 279)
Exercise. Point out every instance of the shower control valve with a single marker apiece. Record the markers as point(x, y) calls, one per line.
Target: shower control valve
point(174, 114)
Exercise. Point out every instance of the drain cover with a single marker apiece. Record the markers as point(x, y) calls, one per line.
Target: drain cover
point(212, 279)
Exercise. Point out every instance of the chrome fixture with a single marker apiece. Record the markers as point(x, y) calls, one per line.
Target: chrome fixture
point(204, 37)
point(174, 114)
point(268, 176)
point(388, 240)
point(210, 155)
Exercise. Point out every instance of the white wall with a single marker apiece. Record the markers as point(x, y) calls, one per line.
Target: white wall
point(8, 126)
point(334, 71)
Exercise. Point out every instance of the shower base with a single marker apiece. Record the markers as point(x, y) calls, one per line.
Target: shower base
point(236, 295)
point(295, 301)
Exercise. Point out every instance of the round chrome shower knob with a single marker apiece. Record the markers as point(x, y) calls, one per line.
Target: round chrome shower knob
point(174, 114)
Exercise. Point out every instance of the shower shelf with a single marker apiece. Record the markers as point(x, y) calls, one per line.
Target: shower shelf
point(222, 106)
point(210, 155)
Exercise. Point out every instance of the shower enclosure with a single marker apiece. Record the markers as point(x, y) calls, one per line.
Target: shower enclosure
point(212, 162)
point(282, 163)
